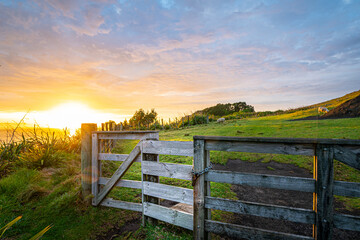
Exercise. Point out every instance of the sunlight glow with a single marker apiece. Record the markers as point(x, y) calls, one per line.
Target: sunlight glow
point(70, 115)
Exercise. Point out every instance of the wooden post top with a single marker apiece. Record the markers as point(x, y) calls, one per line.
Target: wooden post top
point(330, 141)
point(126, 132)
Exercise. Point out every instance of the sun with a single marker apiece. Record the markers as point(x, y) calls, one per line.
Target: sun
point(68, 115)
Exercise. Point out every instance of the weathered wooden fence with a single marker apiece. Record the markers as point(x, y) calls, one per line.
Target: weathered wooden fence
point(323, 186)
point(149, 148)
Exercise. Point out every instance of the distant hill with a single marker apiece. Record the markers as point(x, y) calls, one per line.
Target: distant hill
point(348, 109)
point(342, 107)
point(336, 101)
point(242, 110)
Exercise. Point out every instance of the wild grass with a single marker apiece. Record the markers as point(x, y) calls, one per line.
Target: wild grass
point(38, 148)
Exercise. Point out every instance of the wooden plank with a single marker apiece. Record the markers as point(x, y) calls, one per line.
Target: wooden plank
point(117, 175)
point(324, 191)
point(109, 202)
point(154, 158)
point(207, 192)
point(122, 183)
point(169, 148)
point(261, 210)
point(347, 156)
point(127, 132)
point(258, 147)
point(176, 194)
point(342, 142)
point(86, 159)
point(131, 136)
point(243, 232)
point(261, 180)
point(199, 191)
point(116, 157)
point(95, 167)
point(175, 217)
point(143, 217)
point(170, 170)
point(347, 222)
point(150, 178)
point(349, 189)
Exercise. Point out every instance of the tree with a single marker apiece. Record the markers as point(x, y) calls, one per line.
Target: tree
point(142, 118)
point(228, 108)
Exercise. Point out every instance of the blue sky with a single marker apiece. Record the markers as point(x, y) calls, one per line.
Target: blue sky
point(177, 56)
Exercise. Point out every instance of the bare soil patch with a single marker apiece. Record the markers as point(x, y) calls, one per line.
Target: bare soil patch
point(349, 109)
point(129, 224)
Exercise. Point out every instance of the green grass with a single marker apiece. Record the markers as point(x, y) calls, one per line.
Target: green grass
point(40, 178)
point(280, 126)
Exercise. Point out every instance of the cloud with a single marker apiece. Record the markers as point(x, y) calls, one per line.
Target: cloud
point(167, 3)
point(182, 55)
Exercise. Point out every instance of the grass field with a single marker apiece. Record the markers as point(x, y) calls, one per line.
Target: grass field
point(50, 195)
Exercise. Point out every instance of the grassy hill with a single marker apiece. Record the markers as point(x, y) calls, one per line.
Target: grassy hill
point(40, 177)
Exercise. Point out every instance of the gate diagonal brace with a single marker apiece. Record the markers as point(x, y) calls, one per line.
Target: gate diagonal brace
point(117, 175)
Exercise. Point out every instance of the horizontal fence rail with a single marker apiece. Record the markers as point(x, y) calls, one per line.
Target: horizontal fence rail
point(109, 202)
point(127, 135)
point(347, 222)
point(348, 189)
point(261, 210)
point(176, 194)
point(169, 170)
point(176, 148)
point(116, 157)
point(261, 180)
point(122, 183)
point(175, 217)
point(243, 232)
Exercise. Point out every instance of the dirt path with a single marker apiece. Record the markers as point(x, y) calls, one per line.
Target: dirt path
point(279, 197)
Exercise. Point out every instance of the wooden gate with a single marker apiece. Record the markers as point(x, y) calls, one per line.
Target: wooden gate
point(99, 194)
point(147, 153)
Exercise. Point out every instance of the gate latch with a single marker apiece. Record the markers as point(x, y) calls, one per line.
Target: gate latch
point(198, 174)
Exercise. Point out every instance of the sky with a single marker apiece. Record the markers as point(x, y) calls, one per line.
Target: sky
point(115, 57)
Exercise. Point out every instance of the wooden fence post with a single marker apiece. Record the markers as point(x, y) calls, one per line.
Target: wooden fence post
point(324, 191)
point(149, 178)
point(102, 142)
point(86, 150)
point(201, 190)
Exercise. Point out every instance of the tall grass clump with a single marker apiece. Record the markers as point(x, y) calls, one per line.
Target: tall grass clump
point(37, 148)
